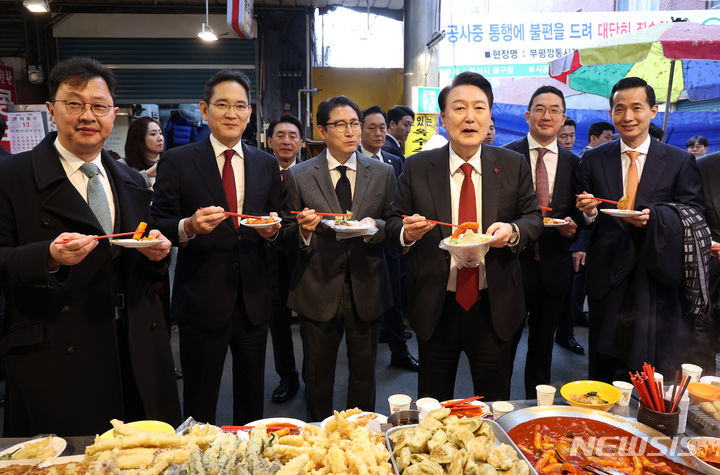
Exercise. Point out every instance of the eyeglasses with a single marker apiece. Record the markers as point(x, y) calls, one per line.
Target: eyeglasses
point(76, 107)
point(540, 110)
point(224, 107)
point(342, 126)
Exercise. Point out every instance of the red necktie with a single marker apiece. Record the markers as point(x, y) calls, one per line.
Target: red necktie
point(468, 278)
point(542, 184)
point(228, 180)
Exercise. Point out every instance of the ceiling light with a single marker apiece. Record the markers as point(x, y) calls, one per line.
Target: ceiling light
point(37, 6)
point(207, 33)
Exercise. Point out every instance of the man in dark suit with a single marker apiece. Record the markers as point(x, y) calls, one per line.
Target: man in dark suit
point(477, 310)
point(706, 346)
point(285, 140)
point(221, 295)
point(84, 333)
point(339, 285)
point(546, 262)
point(400, 121)
point(634, 274)
point(392, 331)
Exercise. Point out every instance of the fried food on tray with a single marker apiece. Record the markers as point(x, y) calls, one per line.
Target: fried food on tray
point(267, 220)
point(344, 220)
point(140, 230)
point(70, 468)
point(469, 237)
point(624, 202)
point(40, 449)
point(590, 397)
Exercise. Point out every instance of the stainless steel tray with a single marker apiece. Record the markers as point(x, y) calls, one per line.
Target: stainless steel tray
point(500, 437)
point(669, 446)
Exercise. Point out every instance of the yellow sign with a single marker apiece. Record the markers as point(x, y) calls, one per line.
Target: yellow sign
point(424, 127)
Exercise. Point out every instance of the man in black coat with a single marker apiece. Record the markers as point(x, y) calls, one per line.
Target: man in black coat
point(546, 262)
point(84, 331)
point(476, 310)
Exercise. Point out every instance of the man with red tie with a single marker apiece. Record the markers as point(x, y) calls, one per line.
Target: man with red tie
point(635, 276)
point(221, 296)
point(476, 310)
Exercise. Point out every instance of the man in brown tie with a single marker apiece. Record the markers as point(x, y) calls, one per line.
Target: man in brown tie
point(634, 262)
point(285, 140)
point(546, 263)
point(220, 298)
point(474, 310)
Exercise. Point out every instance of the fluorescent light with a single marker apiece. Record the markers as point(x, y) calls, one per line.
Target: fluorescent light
point(37, 6)
point(207, 33)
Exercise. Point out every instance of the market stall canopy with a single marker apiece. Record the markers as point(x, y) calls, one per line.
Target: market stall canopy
point(649, 54)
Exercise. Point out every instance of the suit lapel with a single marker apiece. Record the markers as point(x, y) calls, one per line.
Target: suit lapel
point(652, 171)
point(562, 175)
point(207, 169)
point(438, 177)
point(613, 172)
point(322, 177)
point(489, 187)
point(362, 181)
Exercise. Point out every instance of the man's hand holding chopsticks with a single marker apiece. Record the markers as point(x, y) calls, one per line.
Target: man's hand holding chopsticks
point(308, 221)
point(158, 251)
point(415, 227)
point(71, 252)
point(204, 220)
point(587, 203)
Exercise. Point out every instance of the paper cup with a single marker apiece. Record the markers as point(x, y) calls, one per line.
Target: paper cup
point(625, 392)
point(545, 394)
point(399, 402)
point(694, 371)
point(500, 408)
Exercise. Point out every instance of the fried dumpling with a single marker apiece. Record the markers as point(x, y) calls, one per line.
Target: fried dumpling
point(479, 447)
point(431, 424)
point(443, 453)
point(424, 468)
point(438, 438)
point(502, 457)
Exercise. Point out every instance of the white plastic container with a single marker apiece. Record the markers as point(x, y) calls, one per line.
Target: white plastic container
point(683, 405)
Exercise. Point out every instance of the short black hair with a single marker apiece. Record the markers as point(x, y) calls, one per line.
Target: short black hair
point(466, 78)
point(570, 123)
point(396, 113)
point(226, 75)
point(290, 119)
point(547, 90)
point(699, 139)
point(656, 132)
point(375, 110)
point(79, 70)
point(135, 148)
point(597, 128)
point(323, 111)
point(631, 83)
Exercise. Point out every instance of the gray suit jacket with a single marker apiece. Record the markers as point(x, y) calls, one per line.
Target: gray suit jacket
point(317, 281)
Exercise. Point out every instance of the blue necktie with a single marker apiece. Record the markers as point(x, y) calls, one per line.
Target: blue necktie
point(97, 200)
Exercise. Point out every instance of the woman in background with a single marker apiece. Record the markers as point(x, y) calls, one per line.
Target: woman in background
point(143, 147)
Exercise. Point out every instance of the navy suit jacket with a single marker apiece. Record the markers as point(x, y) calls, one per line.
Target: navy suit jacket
point(392, 147)
point(507, 196)
point(555, 262)
point(212, 268)
point(392, 160)
point(669, 175)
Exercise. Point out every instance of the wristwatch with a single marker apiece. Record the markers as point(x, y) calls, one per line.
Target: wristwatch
point(515, 236)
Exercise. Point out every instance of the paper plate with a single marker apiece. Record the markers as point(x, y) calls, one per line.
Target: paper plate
point(356, 226)
point(244, 222)
point(485, 408)
point(134, 243)
point(555, 223)
point(58, 444)
point(621, 213)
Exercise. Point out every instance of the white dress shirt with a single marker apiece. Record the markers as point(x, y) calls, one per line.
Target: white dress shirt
point(550, 159)
point(643, 148)
point(238, 164)
point(350, 172)
point(71, 163)
point(368, 153)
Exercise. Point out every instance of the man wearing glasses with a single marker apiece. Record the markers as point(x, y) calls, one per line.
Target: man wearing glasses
point(546, 263)
point(84, 333)
point(340, 283)
point(221, 296)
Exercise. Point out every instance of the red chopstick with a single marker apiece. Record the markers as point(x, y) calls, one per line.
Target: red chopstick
point(461, 401)
point(65, 241)
point(603, 200)
point(239, 215)
point(322, 214)
point(436, 222)
point(544, 208)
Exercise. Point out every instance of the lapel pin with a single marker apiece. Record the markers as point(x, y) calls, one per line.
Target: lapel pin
point(496, 170)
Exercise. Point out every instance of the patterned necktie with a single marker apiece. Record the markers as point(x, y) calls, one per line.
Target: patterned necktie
point(542, 184)
point(376, 157)
point(632, 178)
point(343, 191)
point(468, 278)
point(228, 181)
point(97, 200)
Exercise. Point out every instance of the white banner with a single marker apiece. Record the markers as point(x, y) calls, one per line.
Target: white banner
point(522, 44)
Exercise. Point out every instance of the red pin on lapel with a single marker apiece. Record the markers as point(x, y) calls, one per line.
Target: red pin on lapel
point(496, 170)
